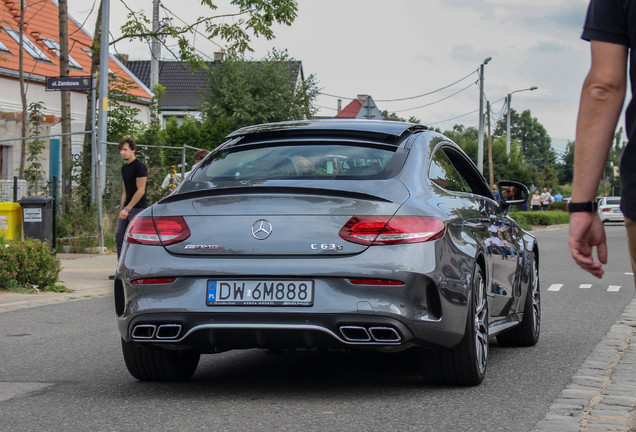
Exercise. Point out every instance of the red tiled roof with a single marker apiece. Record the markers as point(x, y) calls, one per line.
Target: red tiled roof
point(351, 110)
point(41, 21)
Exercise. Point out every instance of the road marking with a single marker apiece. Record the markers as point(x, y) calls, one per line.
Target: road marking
point(629, 273)
point(555, 287)
point(585, 286)
point(613, 288)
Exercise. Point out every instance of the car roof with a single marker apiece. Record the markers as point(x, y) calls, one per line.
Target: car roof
point(387, 131)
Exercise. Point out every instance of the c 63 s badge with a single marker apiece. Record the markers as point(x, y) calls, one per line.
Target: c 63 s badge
point(326, 246)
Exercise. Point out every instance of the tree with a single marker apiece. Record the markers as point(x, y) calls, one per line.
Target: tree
point(565, 170)
point(65, 99)
point(247, 16)
point(246, 92)
point(535, 143)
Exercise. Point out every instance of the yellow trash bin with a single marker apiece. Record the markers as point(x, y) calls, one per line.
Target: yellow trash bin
point(10, 221)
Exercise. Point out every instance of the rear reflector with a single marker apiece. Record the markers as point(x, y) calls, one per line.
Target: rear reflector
point(163, 230)
point(387, 230)
point(376, 282)
point(152, 281)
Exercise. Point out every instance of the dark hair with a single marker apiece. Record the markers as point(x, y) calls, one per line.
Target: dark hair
point(131, 143)
point(198, 156)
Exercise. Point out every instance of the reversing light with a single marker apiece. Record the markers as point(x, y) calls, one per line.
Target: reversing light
point(387, 230)
point(163, 230)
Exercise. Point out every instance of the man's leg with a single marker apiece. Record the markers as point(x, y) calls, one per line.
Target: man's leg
point(630, 225)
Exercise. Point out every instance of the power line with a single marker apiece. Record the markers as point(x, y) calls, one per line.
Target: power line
point(410, 97)
point(439, 100)
point(454, 118)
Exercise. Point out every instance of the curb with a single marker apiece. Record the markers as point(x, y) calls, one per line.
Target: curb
point(602, 394)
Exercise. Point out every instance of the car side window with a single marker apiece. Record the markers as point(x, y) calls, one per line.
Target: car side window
point(469, 173)
point(443, 173)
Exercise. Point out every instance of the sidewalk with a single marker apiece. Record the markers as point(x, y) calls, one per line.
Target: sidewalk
point(86, 275)
point(600, 397)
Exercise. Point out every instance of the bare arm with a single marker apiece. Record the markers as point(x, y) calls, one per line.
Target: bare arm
point(602, 99)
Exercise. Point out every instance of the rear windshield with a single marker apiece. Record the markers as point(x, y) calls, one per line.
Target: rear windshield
point(613, 201)
point(301, 161)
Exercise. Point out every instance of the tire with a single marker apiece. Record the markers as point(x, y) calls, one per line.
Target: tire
point(527, 332)
point(148, 362)
point(465, 365)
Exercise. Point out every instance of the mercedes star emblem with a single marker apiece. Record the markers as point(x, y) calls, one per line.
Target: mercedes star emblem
point(261, 229)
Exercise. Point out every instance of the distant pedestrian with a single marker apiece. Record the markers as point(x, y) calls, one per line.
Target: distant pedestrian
point(610, 27)
point(133, 197)
point(198, 157)
point(558, 197)
point(546, 199)
point(536, 201)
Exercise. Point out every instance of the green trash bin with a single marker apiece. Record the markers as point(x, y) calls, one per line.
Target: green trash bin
point(10, 221)
point(37, 217)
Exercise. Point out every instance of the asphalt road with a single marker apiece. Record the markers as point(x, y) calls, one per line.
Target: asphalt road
point(61, 369)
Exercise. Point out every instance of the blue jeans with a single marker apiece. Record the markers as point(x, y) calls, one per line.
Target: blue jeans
point(122, 224)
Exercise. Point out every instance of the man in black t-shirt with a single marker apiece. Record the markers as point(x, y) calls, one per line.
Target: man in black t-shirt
point(610, 27)
point(133, 197)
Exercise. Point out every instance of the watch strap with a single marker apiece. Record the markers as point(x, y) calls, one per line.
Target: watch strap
point(587, 207)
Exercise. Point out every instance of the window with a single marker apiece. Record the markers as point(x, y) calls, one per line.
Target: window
point(443, 173)
point(29, 46)
point(324, 162)
point(3, 48)
point(55, 47)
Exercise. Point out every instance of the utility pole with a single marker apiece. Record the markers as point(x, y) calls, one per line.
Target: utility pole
point(155, 47)
point(508, 102)
point(103, 117)
point(480, 145)
point(491, 170)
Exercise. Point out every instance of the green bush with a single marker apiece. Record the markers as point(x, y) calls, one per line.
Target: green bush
point(28, 264)
point(541, 217)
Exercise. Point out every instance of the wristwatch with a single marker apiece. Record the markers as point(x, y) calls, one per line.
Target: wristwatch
point(588, 207)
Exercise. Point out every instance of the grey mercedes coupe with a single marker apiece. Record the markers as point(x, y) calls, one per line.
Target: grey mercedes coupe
point(329, 234)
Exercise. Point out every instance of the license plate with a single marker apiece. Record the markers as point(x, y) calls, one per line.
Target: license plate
point(260, 293)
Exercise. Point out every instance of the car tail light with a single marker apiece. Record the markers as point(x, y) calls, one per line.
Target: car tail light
point(152, 281)
point(387, 230)
point(164, 230)
point(376, 282)
point(605, 209)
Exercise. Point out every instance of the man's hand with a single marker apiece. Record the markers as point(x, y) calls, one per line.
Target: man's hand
point(587, 231)
point(123, 213)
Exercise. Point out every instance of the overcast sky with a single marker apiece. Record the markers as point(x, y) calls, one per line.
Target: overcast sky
point(396, 49)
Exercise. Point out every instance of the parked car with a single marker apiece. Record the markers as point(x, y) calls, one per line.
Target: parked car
point(609, 209)
point(330, 234)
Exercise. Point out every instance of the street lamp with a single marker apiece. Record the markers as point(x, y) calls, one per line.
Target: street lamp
point(508, 100)
point(480, 146)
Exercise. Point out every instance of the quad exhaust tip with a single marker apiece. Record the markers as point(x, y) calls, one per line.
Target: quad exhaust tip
point(361, 334)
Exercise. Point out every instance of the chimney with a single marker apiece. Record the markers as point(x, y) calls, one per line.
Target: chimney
point(339, 105)
point(362, 97)
point(218, 57)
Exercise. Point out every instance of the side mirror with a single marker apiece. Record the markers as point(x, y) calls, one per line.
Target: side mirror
point(512, 193)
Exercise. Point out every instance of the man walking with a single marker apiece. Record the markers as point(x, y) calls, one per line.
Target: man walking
point(610, 27)
point(133, 197)
point(546, 199)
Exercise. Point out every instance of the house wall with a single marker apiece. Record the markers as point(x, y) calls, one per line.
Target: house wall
point(10, 123)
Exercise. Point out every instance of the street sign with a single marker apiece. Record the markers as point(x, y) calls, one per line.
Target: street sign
point(69, 83)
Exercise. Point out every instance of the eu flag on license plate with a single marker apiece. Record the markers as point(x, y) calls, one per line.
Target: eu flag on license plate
point(211, 291)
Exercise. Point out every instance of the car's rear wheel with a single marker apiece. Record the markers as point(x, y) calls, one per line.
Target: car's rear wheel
point(527, 332)
point(466, 364)
point(151, 363)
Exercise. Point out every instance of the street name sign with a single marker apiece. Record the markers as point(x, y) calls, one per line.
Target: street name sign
point(69, 83)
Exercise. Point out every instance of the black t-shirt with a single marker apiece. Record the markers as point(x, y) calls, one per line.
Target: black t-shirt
point(614, 21)
point(129, 173)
